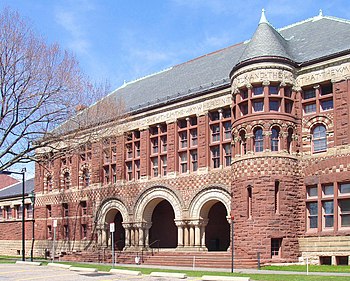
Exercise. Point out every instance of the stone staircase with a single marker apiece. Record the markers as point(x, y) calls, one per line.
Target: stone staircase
point(164, 258)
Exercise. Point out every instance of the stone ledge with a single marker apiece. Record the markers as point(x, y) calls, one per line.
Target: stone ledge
point(29, 263)
point(125, 272)
point(168, 274)
point(85, 269)
point(224, 278)
point(60, 265)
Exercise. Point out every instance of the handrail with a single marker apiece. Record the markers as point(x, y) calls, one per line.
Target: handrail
point(154, 242)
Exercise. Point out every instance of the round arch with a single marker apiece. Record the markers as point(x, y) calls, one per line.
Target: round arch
point(150, 198)
point(205, 199)
point(109, 208)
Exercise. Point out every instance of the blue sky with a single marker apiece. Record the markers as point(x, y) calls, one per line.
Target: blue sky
point(117, 40)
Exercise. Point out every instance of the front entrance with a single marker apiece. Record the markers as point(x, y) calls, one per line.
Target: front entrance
point(163, 233)
point(218, 229)
point(119, 234)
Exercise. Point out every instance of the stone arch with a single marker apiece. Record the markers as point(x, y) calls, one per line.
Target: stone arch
point(324, 120)
point(150, 198)
point(109, 205)
point(206, 198)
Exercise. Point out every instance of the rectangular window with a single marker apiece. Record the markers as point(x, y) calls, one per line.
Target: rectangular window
point(226, 113)
point(154, 145)
point(194, 160)
point(183, 162)
point(83, 231)
point(311, 191)
point(277, 197)
point(273, 90)
point(287, 92)
point(344, 188)
point(344, 206)
point(326, 89)
point(327, 104)
point(227, 130)
point(164, 165)
point(288, 106)
point(312, 208)
point(194, 138)
point(19, 212)
point(164, 143)
point(244, 108)
point(137, 170)
point(49, 211)
point(106, 174)
point(66, 231)
point(274, 105)
point(129, 170)
point(328, 190)
point(228, 154)
point(258, 106)
point(328, 213)
point(309, 94)
point(215, 133)
point(29, 209)
point(183, 139)
point(65, 209)
point(8, 211)
point(310, 108)
point(250, 201)
point(83, 205)
point(258, 91)
point(276, 244)
point(49, 231)
point(214, 116)
point(1, 215)
point(244, 94)
point(215, 156)
point(155, 167)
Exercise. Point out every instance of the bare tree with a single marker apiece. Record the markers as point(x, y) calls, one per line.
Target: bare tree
point(41, 86)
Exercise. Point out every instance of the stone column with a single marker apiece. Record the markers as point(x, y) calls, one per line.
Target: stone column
point(132, 236)
point(127, 236)
point(197, 235)
point(203, 224)
point(141, 236)
point(146, 234)
point(186, 236)
point(180, 234)
point(191, 235)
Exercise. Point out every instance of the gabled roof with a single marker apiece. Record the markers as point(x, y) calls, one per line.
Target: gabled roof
point(6, 180)
point(313, 39)
point(15, 190)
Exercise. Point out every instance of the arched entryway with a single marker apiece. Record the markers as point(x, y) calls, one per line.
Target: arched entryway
point(163, 232)
point(119, 233)
point(217, 231)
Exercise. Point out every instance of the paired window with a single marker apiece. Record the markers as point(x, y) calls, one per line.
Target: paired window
point(49, 183)
point(187, 144)
point(83, 206)
point(324, 209)
point(158, 151)
point(275, 134)
point(86, 177)
point(133, 154)
point(318, 98)
point(109, 156)
point(66, 180)
point(65, 209)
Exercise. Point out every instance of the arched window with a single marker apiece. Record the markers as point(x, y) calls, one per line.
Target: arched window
point(243, 143)
point(319, 138)
point(66, 180)
point(86, 177)
point(289, 140)
point(275, 132)
point(258, 140)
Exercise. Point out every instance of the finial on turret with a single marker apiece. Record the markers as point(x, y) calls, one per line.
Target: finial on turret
point(263, 17)
point(320, 13)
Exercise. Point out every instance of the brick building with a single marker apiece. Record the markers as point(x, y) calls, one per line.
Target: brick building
point(259, 130)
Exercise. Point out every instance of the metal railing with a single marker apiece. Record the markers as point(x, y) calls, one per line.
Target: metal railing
point(154, 242)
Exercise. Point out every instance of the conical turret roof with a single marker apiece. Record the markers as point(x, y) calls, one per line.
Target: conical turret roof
point(266, 42)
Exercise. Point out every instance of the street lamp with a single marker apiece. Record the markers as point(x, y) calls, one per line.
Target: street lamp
point(23, 172)
point(32, 199)
point(232, 245)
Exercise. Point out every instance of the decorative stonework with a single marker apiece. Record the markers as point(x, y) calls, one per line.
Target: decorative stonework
point(112, 204)
point(197, 209)
point(148, 200)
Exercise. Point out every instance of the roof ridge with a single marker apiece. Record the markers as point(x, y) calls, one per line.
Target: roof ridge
point(16, 183)
point(297, 23)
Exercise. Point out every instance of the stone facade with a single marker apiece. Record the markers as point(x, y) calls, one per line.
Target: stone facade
point(269, 147)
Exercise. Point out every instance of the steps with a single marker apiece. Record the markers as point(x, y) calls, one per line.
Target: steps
point(164, 258)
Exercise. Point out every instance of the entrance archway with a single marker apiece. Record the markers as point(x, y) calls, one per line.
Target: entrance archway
point(119, 233)
point(217, 231)
point(163, 226)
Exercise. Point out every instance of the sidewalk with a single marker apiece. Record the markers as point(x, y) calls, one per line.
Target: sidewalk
point(238, 270)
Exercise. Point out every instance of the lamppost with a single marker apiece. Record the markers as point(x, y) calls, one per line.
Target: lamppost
point(23, 190)
point(32, 198)
point(232, 244)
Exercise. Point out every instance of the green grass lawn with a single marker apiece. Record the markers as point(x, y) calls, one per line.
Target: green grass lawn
point(312, 268)
point(257, 277)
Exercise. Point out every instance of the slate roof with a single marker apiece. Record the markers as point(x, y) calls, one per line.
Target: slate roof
point(16, 189)
point(302, 42)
